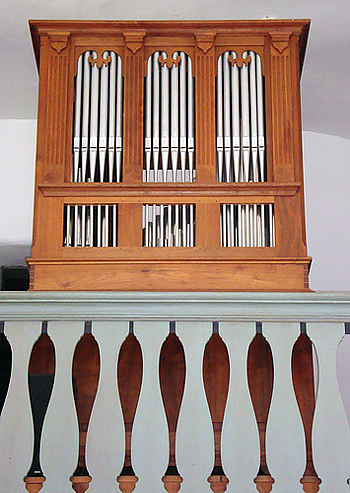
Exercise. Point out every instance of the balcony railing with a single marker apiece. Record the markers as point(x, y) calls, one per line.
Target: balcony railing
point(274, 364)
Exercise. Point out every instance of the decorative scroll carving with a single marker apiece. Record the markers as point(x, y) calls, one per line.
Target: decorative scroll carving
point(205, 41)
point(169, 61)
point(134, 39)
point(99, 60)
point(59, 40)
point(280, 41)
point(239, 60)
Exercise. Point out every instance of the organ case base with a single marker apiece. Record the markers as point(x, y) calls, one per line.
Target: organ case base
point(214, 275)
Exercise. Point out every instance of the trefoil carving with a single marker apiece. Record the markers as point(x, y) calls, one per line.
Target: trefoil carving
point(240, 59)
point(169, 61)
point(99, 59)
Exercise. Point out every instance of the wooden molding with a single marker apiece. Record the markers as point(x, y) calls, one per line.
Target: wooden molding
point(127, 484)
point(134, 39)
point(58, 40)
point(34, 484)
point(218, 484)
point(205, 41)
point(311, 484)
point(280, 40)
point(80, 483)
point(169, 190)
point(172, 484)
point(264, 483)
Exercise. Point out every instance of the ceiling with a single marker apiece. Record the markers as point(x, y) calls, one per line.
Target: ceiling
point(325, 85)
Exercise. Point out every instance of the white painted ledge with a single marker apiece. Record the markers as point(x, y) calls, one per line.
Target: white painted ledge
point(284, 307)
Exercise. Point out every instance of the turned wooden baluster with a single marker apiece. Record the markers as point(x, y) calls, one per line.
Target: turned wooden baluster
point(304, 380)
point(129, 378)
point(85, 378)
point(260, 381)
point(5, 366)
point(343, 352)
point(41, 374)
point(172, 373)
point(216, 377)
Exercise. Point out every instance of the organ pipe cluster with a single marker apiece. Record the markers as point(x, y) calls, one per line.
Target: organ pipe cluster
point(247, 225)
point(169, 225)
point(98, 114)
point(90, 225)
point(169, 119)
point(240, 120)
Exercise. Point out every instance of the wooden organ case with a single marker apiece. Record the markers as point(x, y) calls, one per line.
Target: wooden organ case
point(169, 156)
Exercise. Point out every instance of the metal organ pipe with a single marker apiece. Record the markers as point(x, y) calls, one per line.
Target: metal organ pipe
point(247, 225)
point(169, 118)
point(90, 225)
point(98, 114)
point(170, 225)
point(240, 119)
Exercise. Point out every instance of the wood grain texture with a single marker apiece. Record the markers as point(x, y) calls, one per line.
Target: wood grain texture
point(260, 375)
point(34, 484)
point(129, 378)
point(41, 374)
point(172, 275)
point(281, 45)
point(216, 378)
point(304, 388)
point(85, 378)
point(172, 373)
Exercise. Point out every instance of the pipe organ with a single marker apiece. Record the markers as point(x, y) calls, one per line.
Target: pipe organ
point(169, 156)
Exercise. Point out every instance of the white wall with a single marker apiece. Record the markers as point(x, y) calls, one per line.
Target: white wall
point(327, 175)
point(17, 160)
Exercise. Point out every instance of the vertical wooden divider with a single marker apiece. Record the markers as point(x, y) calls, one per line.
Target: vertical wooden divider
point(204, 72)
point(85, 378)
point(41, 374)
point(5, 366)
point(134, 70)
point(129, 378)
point(304, 388)
point(172, 374)
point(282, 106)
point(216, 377)
point(260, 374)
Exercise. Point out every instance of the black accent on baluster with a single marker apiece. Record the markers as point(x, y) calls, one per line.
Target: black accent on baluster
point(5, 366)
point(41, 374)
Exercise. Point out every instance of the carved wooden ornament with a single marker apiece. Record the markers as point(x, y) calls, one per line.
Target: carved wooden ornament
point(59, 40)
point(99, 60)
point(169, 61)
point(205, 41)
point(280, 41)
point(134, 39)
point(239, 60)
